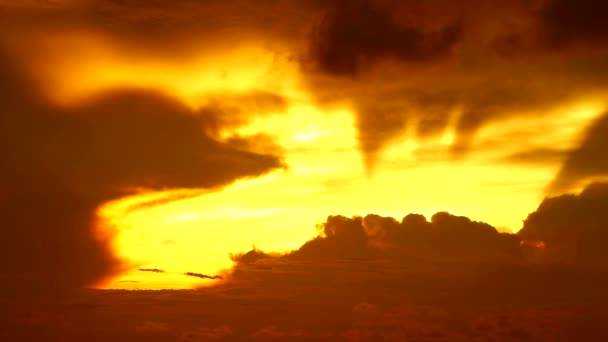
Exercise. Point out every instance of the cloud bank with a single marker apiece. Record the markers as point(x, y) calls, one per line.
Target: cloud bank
point(60, 164)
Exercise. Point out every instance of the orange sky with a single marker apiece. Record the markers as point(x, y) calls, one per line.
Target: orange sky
point(324, 174)
point(351, 139)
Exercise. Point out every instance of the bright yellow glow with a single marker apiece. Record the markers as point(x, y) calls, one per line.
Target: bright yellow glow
point(325, 175)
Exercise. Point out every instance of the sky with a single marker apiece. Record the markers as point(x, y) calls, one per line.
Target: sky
point(193, 145)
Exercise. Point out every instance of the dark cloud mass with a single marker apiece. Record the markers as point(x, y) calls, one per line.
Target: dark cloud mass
point(560, 242)
point(572, 228)
point(576, 21)
point(361, 32)
point(60, 164)
point(445, 237)
point(372, 278)
point(153, 270)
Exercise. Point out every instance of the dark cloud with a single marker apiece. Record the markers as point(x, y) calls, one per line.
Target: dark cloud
point(580, 21)
point(359, 32)
point(445, 237)
point(572, 228)
point(492, 64)
point(203, 276)
point(154, 270)
point(586, 161)
point(60, 164)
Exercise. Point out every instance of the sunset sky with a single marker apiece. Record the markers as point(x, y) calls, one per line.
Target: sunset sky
point(145, 139)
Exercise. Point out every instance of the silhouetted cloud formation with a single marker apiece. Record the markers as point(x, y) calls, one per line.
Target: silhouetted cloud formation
point(572, 228)
point(567, 230)
point(60, 164)
point(154, 270)
point(558, 254)
point(359, 32)
point(445, 237)
point(434, 66)
point(203, 276)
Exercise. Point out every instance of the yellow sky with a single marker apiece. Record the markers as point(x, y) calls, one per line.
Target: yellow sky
point(324, 175)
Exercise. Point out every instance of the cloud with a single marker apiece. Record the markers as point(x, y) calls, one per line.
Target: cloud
point(218, 333)
point(249, 257)
point(363, 263)
point(61, 163)
point(585, 162)
point(359, 32)
point(445, 237)
point(476, 72)
point(571, 228)
point(203, 276)
point(567, 22)
point(415, 69)
point(374, 255)
point(154, 270)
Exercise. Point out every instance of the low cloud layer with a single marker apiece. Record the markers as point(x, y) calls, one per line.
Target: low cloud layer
point(572, 228)
point(203, 276)
point(567, 230)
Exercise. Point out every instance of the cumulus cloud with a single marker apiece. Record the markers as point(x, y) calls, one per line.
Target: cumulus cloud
point(373, 256)
point(571, 228)
point(152, 327)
